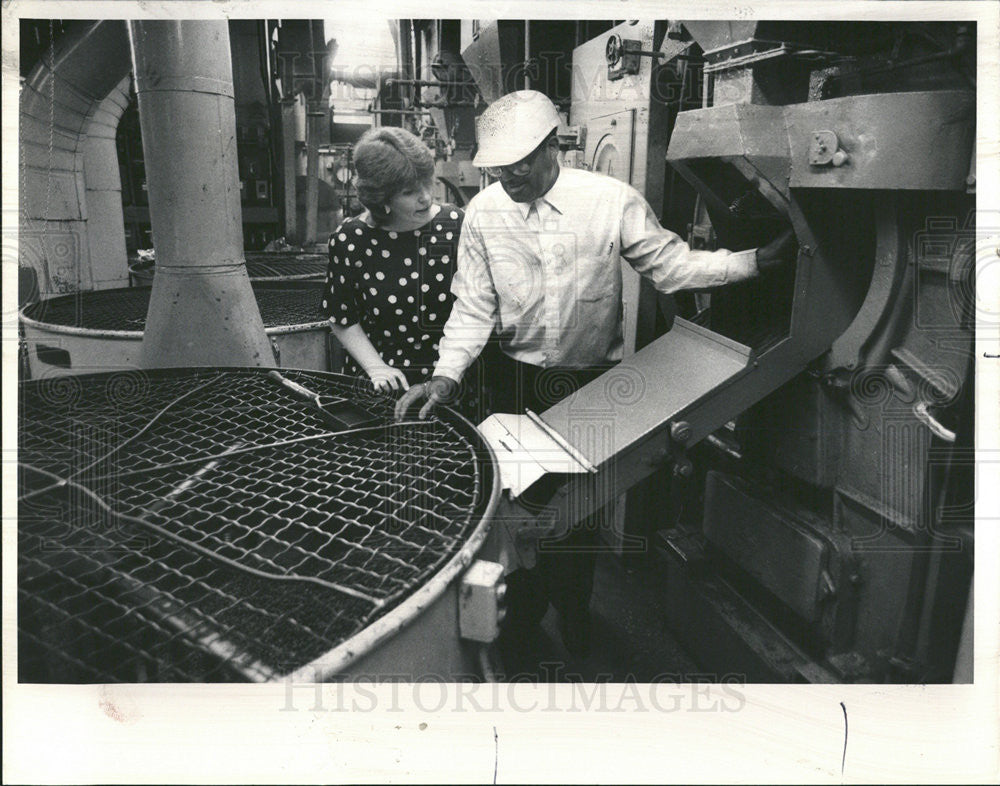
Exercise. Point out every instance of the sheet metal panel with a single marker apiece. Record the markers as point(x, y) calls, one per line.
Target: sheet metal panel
point(642, 393)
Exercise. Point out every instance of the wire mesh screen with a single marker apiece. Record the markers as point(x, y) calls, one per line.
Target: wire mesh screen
point(261, 266)
point(208, 525)
point(281, 303)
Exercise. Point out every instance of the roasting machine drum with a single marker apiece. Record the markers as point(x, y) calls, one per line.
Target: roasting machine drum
point(213, 525)
point(261, 266)
point(88, 332)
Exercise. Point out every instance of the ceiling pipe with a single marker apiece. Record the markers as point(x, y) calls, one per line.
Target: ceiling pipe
point(202, 311)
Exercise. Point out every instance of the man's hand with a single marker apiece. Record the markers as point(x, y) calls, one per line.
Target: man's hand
point(780, 251)
point(437, 390)
point(385, 377)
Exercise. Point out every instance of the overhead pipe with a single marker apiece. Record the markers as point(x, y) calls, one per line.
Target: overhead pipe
point(202, 311)
point(315, 118)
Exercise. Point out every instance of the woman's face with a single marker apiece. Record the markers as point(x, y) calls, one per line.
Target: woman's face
point(411, 207)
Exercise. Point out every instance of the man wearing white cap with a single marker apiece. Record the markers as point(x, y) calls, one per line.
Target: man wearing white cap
point(538, 260)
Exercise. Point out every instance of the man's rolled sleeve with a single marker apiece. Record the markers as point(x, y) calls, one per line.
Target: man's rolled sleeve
point(473, 313)
point(666, 260)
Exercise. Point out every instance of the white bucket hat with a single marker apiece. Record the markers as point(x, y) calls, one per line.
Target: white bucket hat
point(513, 126)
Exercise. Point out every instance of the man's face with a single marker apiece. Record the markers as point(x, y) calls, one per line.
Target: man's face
point(532, 176)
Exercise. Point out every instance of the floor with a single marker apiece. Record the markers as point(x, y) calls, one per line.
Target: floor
point(629, 637)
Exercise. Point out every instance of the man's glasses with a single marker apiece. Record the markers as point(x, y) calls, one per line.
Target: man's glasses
point(521, 167)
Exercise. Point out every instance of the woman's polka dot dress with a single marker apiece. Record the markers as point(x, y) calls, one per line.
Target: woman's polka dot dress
point(397, 285)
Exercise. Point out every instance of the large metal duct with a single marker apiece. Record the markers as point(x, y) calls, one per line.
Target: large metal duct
point(66, 234)
point(202, 310)
point(102, 176)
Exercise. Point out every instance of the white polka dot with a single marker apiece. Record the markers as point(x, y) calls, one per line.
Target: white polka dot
point(402, 328)
point(343, 307)
point(430, 263)
point(373, 291)
point(336, 259)
point(445, 259)
point(409, 298)
point(448, 235)
point(375, 311)
point(439, 276)
point(438, 227)
point(343, 280)
point(342, 236)
point(368, 252)
point(399, 312)
point(374, 241)
point(415, 318)
point(324, 302)
point(402, 282)
point(422, 251)
point(423, 308)
point(385, 253)
point(453, 214)
point(393, 235)
point(399, 352)
point(344, 320)
point(367, 276)
point(380, 275)
point(392, 361)
point(386, 332)
point(358, 231)
point(424, 337)
point(350, 246)
point(434, 238)
point(414, 274)
point(406, 362)
point(423, 371)
point(424, 288)
point(442, 297)
point(407, 261)
point(432, 317)
point(358, 263)
point(391, 298)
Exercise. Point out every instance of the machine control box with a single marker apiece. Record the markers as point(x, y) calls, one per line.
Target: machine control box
point(481, 606)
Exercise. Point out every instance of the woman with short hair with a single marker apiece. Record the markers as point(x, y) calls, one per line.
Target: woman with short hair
point(389, 278)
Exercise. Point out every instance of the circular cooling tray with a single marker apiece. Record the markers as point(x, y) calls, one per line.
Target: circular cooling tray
point(124, 310)
point(261, 266)
point(215, 529)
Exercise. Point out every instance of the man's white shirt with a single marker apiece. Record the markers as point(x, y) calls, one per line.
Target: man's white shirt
point(547, 273)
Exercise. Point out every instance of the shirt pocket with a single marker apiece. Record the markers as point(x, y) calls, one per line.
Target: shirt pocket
point(596, 276)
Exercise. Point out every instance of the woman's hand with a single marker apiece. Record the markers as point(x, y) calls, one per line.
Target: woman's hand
point(387, 378)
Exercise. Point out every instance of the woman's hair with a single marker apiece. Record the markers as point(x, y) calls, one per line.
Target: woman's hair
point(389, 160)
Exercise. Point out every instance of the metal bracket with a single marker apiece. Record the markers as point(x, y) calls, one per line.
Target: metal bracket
point(623, 56)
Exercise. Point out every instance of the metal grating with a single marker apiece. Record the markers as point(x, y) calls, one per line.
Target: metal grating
point(216, 527)
point(281, 304)
point(261, 266)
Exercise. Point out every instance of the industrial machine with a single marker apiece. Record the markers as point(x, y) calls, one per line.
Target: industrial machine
point(810, 431)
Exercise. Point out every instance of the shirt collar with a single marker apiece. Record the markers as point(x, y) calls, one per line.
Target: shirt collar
point(556, 197)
